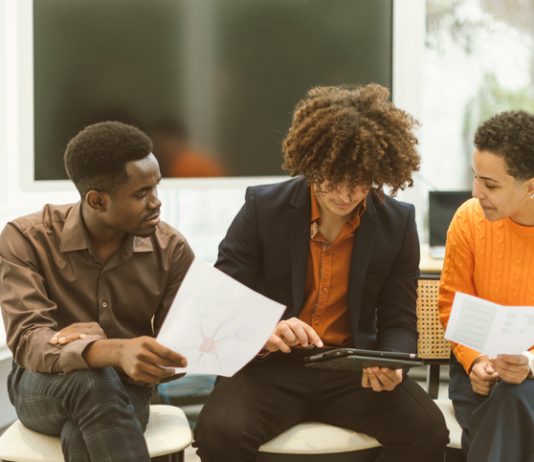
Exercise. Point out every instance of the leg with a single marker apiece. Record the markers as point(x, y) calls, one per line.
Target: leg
point(464, 400)
point(72, 443)
point(406, 421)
point(501, 427)
point(97, 416)
point(243, 412)
point(493, 425)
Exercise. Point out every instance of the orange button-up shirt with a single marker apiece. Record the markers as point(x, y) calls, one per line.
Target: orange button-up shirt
point(327, 279)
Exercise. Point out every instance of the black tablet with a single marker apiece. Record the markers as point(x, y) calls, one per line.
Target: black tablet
point(354, 359)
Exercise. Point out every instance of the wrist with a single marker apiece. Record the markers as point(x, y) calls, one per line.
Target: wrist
point(478, 359)
point(105, 353)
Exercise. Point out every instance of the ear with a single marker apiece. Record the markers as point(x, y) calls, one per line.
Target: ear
point(97, 200)
point(530, 188)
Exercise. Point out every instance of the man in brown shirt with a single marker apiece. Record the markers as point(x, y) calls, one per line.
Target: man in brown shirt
point(84, 289)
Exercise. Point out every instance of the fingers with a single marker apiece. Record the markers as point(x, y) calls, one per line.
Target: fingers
point(276, 343)
point(482, 388)
point(365, 379)
point(59, 339)
point(313, 337)
point(295, 333)
point(146, 360)
point(482, 381)
point(165, 356)
point(513, 359)
point(381, 378)
point(77, 330)
point(512, 368)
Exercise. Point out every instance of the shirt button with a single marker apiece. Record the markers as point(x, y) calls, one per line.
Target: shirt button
point(104, 304)
point(316, 321)
point(323, 289)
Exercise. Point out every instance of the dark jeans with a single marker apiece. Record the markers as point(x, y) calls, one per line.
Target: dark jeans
point(498, 427)
point(98, 416)
point(266, 398)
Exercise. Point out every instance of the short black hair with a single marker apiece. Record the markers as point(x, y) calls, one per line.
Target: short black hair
point(510, 135)
point(96, 157)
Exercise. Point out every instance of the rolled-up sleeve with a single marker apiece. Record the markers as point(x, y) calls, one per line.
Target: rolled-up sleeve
point(28, 312)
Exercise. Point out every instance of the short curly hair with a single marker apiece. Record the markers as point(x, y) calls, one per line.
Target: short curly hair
point(352, 135)
point(510, 135)
point(96, 157)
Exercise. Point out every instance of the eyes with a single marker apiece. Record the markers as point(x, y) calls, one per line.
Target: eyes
point(485, 183)
point(143, 193)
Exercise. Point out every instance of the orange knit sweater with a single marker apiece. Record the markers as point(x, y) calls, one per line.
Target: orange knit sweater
point(491, 260)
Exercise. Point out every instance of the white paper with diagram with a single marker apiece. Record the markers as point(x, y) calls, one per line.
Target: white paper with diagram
point(490, 328)
point(216, 322)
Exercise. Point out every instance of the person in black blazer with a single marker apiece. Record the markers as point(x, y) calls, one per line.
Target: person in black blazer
point(343, 257)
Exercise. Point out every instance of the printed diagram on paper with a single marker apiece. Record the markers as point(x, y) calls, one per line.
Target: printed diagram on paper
point(217, 323)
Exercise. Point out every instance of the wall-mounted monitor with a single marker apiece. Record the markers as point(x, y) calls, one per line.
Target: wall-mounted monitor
point(442, 206)
point(213, 81)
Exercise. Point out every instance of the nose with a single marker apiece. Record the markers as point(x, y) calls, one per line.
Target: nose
point(154, 203)
point(345, 194)
point(477, 190)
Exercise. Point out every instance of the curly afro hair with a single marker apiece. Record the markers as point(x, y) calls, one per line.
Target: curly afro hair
point(510, 135)
point(96, 157)
point(351, 135)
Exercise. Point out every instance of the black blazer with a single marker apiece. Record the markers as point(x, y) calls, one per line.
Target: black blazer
point(267, 246)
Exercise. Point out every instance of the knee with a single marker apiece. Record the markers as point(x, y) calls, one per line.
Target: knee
point(507, 394)
point(217, 433)
point(422, 430)
point(90, 386)
point(430, 431)
point(506, 398)
point(93, 379)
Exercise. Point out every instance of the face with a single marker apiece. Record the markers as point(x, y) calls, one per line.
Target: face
point(134, 208)
point(500, 194)
point(340, 200)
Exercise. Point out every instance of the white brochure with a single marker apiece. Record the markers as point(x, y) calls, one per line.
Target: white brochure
point(490, 328)
point(217, 323)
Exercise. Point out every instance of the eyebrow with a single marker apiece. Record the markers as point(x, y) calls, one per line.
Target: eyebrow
point(487, 178)
point(147, 187)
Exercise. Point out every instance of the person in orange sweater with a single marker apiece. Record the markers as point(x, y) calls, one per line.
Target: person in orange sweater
point(490, 254)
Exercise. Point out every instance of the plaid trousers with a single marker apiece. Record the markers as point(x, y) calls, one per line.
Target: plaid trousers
point(98, 415)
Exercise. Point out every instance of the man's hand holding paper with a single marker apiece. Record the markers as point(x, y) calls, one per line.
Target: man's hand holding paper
point(217, 323)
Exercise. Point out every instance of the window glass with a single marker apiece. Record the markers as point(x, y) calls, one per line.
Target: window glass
point(478, 60)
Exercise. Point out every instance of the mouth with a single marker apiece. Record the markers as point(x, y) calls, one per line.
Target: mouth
point(342, 205)
point(152, 220)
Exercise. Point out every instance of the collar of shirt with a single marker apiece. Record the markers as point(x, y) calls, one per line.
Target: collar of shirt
point(315, 218)
point(74, 235)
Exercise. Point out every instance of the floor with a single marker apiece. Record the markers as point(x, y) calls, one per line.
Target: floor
point(419, 376)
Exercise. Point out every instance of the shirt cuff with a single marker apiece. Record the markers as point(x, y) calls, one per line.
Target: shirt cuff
point(465, 356)
point(71, 355)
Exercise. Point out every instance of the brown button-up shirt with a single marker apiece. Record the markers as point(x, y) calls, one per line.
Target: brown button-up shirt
point(50, 279)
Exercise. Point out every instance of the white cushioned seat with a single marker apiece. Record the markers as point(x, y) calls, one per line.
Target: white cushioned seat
point(168, 432)
point(318, 438)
